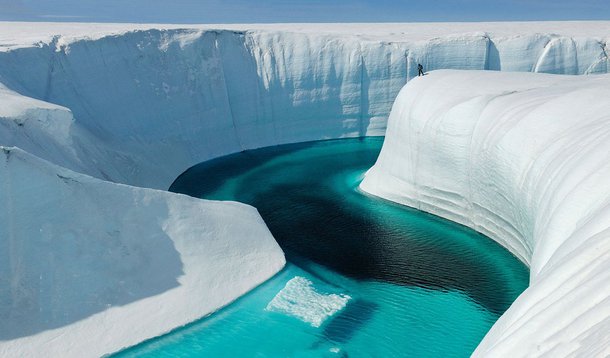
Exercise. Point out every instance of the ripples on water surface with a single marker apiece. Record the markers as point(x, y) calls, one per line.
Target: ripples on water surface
point(418, 285)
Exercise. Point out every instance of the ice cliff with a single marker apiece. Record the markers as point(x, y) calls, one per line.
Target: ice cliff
point(139, 104)
point(522, 158)
point(153, 102)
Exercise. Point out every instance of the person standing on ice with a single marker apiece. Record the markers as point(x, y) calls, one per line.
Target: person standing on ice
point(420, 68)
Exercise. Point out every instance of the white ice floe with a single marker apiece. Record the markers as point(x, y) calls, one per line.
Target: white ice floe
point(524, 159)
point(300, 299)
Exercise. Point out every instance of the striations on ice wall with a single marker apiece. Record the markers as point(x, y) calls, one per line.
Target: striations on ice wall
point(522, 158)
point(151, 102)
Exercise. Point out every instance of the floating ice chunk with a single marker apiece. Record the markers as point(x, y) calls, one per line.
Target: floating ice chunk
point(300, 299)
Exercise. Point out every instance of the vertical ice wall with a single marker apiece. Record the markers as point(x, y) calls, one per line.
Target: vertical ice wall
point(159, 101)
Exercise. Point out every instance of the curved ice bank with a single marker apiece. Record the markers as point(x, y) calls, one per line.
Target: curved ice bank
point(522, 158)
point(150, 101)
point(88, 267)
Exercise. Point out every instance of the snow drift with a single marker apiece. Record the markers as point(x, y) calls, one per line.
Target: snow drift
point(139, 104)
point(522, 158)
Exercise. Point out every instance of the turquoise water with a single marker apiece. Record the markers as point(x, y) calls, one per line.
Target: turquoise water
point(402, 282)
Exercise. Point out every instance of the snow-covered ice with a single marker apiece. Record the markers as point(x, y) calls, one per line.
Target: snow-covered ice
point(139, 104)
point(522, 158)
point(88, 267)
point(300, 299)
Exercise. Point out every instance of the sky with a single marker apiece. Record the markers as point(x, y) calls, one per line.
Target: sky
point(273, 11)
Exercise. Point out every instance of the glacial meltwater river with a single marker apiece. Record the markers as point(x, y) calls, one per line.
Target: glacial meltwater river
point(364, 278)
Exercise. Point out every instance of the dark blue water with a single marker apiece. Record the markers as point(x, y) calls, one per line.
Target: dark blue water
point(365, 277)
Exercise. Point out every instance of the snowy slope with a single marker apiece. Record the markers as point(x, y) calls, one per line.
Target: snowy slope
point(522, 158)
point(160, 99)
point(88, 267)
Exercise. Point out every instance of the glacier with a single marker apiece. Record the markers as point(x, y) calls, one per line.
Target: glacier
point(522, 158)
point(91, 114)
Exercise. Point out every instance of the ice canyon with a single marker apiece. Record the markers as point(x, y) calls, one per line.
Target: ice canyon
point(97, 120)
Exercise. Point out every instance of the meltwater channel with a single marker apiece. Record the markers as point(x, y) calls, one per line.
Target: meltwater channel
point(365, 277)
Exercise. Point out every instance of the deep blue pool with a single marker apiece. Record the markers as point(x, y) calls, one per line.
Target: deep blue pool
point(365, 278)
